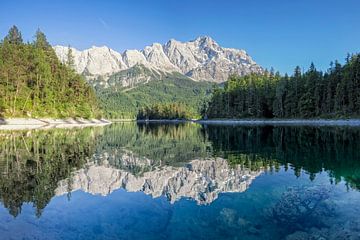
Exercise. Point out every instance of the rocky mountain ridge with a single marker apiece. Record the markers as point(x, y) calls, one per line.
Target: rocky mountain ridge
point(199, 59)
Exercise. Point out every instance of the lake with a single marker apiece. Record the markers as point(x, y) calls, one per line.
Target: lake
point(180, 181)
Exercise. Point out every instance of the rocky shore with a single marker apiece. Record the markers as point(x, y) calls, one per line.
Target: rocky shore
point(44, 123)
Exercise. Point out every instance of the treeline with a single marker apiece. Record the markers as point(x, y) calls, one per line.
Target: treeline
point(333, 94)
point(164, 111)
point(34, 83)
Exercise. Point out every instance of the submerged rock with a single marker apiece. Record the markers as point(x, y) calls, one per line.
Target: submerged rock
point(299, 235)
point(253, 231)
point(335, 232)
point(228, 216)
point(242, 222)
point(300, 207)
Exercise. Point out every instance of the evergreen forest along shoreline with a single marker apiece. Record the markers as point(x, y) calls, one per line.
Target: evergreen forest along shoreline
point(304, 97)
point(35, 84)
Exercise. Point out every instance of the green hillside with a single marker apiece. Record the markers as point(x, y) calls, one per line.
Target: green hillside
point(120, 102)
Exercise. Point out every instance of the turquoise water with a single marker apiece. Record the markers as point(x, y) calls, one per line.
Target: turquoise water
point(129, 181)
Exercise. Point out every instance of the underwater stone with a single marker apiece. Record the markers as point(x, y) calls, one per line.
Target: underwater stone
point(299, 235)
point(300, 206)
point(228, 216)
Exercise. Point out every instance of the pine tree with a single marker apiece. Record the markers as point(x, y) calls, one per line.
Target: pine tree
point(14, 36)
point(70, 58)
point(280, 98)
point(41, 41)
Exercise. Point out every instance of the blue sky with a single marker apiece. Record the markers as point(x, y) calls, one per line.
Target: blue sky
point(276, 33)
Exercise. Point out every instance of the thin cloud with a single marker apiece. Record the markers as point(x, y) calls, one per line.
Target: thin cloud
point(105, 25)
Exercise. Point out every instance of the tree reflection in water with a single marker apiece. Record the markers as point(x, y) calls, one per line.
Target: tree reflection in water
point(33, 163)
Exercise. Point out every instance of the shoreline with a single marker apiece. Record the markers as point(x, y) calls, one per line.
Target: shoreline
point(263, 122)
point(284, 122)
point(47, 123)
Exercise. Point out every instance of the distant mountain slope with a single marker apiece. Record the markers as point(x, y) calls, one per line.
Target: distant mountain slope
point(131, 77)
point(124, 102)
point(199, 59)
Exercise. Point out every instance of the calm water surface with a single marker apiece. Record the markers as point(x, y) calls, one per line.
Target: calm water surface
point(188, 181)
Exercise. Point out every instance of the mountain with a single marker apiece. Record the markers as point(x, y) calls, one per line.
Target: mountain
point(175, 72)
point(199, 59)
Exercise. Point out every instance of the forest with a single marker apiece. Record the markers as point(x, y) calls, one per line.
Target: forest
point(310, 94)
point(164, 111)
point(34, 83)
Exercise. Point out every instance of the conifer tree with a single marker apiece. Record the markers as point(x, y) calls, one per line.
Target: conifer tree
point(14, 36)
point(41, 41)
point(70, 58)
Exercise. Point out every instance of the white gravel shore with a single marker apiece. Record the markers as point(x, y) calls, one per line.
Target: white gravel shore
point(45, 123)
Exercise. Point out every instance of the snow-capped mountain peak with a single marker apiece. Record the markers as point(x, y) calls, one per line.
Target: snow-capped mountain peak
point(200, 59)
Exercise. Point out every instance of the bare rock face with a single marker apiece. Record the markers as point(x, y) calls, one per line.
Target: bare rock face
point(201, 180)
point(133, 57)
point(157, 58)
point(101, 61)
point(204, 59)
point(199, 59)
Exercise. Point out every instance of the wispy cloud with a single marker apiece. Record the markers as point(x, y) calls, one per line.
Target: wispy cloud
point(105, 25)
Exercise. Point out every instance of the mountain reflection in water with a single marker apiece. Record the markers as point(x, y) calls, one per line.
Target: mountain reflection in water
point(177, 161)
point(201, 180)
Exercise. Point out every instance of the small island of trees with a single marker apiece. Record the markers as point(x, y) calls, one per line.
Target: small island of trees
point(164, 111)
